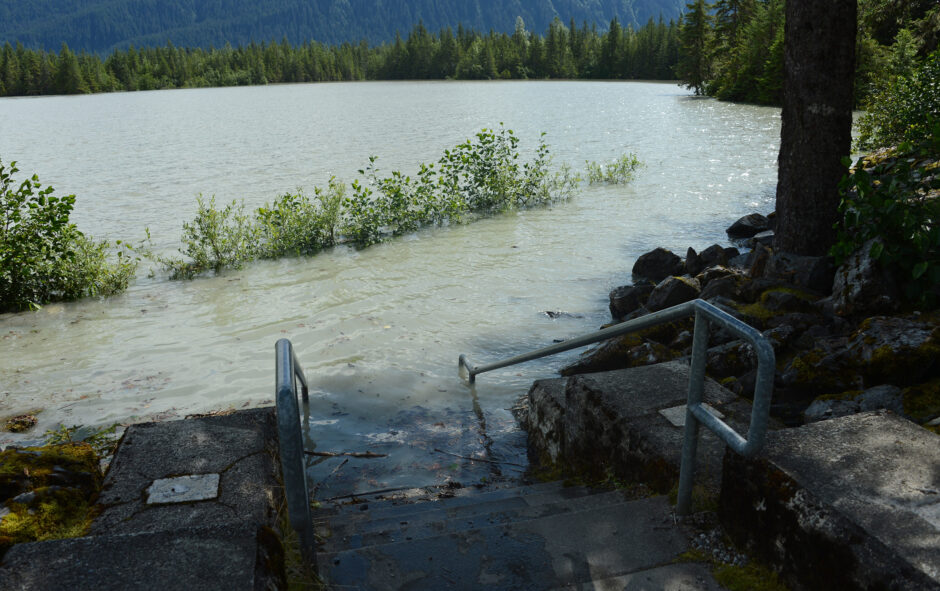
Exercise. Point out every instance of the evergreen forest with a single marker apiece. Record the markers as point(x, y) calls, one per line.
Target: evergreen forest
point(564, 51)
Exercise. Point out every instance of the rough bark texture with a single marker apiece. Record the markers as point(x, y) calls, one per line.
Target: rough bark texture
point(819, 69)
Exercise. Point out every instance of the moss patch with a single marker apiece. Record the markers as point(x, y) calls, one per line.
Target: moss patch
point(752, 577)
point(49, 492)
point(922, 402)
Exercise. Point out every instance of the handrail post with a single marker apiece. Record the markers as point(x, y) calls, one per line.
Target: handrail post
point(290, 443)
point(695, 396)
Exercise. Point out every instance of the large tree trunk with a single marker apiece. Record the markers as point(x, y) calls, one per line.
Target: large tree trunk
point(819, 69)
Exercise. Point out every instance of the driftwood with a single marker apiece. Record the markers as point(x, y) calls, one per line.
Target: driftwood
point(351, 454)
point(441, 451)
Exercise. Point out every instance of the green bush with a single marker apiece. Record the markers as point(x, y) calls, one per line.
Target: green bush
point(296, 225)
point(899, 110)
point(896, 201)
point(44, 257)
point(217, 239)
point(617, 172)
point(480, 177)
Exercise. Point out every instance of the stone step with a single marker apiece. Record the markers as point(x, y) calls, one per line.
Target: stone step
point(439, 521)
point(394, 508)
point(558, 550)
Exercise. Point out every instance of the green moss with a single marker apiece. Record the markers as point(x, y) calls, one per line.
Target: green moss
point(703, 499)
point(55, 513)
point(752, 577)
point(37, 462)
point(922, 402)
point(847, 395)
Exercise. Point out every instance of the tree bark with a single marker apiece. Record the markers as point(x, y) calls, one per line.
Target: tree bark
point(816, 131)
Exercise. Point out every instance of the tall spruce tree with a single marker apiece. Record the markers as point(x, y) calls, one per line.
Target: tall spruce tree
point(694, 40)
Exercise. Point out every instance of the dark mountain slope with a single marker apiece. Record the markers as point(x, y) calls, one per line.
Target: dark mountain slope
point(103, 25)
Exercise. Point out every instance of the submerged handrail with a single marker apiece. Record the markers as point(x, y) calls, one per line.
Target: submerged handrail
point(287, 373)
point(696, 414)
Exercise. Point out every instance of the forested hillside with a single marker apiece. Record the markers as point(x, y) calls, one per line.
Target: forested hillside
point(103, 25)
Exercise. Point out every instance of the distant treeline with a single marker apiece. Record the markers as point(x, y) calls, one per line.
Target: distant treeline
point(563, 52)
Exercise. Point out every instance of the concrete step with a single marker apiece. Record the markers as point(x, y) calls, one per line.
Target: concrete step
point(551, 551)
point(685, 576)
point(439, 521)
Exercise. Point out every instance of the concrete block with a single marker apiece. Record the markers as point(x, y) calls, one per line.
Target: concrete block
point(224, 558)
point(849, 503)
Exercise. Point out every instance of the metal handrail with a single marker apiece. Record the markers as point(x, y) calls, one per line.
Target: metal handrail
point(290, 441)
point(695, 412)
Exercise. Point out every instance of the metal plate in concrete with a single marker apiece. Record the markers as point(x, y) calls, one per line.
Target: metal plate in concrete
point(183, 489)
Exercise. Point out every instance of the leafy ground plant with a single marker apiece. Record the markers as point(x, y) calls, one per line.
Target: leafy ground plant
point(892, 197)
point(43, 256)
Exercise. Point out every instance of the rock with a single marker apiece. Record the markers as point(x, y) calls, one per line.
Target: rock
point(830, 408)
point(726, 287)
point(748, 226)
point(765, 238)
point(619, 353)
point(658, 264)
point(813, 273)
point(693, 262)
point(862, 287)
point(731, 359)
point(627, 298)
point(885, 396)
point(757, 260)
point(884, 350)
point(715, 255)
point(672, 291)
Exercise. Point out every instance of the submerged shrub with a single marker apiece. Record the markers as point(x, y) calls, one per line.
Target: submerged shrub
point(482, 176)
point(216, 239)
point(616, 172)
point(43, 256)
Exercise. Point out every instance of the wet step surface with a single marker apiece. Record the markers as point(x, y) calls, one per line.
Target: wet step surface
point(543, 536)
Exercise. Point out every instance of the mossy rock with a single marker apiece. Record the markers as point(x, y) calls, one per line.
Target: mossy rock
point(922, 402)
point(49, 492)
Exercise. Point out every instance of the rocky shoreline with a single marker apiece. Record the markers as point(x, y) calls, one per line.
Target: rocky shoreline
point(843, 341)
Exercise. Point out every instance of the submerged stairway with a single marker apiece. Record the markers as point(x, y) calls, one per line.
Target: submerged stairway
point(542, 536)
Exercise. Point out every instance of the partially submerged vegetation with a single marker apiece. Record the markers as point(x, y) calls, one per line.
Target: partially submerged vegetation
point(477, 178)
point(43, 256)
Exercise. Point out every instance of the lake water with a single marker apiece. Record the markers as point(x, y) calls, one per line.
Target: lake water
point(377, 331)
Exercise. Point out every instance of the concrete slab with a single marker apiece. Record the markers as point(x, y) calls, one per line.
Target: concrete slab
point(852, 502)
point(225, 558)
point(239, 448)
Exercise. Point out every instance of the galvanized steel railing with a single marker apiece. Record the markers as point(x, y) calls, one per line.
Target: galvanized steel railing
point(696, 414)
point(290, 441)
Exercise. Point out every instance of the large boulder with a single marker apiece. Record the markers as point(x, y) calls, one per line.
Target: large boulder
point(658, 264)
point(862, 287)
point(672, 291)
point(748, 226)
point(623, 352)
point(807, 272)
